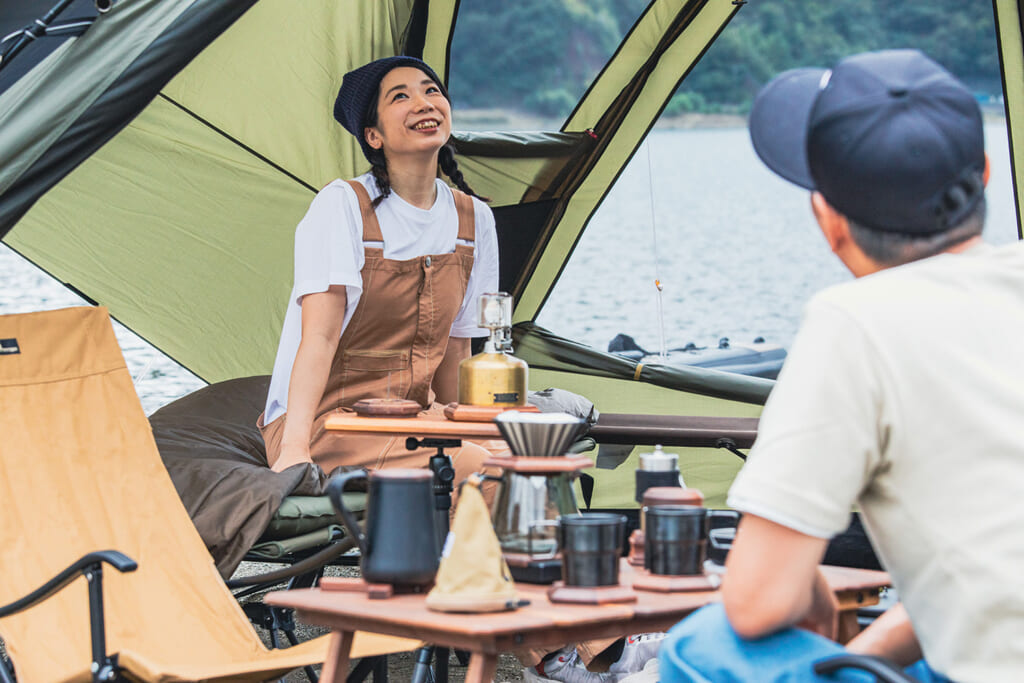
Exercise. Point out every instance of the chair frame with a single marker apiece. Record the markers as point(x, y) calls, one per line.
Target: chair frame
point(104, 666)
point(881, 669)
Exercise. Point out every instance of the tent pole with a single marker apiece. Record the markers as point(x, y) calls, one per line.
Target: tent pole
point(36, 30)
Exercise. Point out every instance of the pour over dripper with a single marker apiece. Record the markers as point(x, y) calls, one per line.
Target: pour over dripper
point(539, 434)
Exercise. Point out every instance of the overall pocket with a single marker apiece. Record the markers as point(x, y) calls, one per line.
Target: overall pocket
point(372, 373)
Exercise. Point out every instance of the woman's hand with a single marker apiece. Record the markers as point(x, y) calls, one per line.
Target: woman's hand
point(296, 455)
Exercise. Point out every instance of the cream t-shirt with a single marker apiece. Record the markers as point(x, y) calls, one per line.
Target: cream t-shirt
point(903, 393)
point(329, 251)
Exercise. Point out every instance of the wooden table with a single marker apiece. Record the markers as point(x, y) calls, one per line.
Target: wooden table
point(540, 624)
point(611, 428)
point(437, 426)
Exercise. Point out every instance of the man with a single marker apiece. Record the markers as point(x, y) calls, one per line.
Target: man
point(903, 394)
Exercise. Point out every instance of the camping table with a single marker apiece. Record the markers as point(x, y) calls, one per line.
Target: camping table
point(437, 426)
point(539, 624)
point(612, 428)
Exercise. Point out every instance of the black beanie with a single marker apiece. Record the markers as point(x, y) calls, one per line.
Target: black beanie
point(359, 89)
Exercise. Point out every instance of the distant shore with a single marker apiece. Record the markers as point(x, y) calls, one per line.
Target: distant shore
point(500, 119)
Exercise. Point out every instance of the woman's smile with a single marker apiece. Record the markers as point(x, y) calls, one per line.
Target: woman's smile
point(427, 125)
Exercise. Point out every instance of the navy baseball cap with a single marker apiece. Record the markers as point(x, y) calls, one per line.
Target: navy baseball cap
point(359, 89)
point(891, 139)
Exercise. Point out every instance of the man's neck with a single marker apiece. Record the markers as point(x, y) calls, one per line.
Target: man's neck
point(964, 246)
point(867, 266)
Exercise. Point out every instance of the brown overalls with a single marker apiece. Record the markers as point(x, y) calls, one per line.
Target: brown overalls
point(391, 348)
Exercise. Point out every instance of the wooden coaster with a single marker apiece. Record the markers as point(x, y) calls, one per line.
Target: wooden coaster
point(386, 407)
point(460, 412)
point(597, 595)
point(643, 580)
point(374, 591)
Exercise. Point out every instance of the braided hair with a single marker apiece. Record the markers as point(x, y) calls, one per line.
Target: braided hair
point(379, 166)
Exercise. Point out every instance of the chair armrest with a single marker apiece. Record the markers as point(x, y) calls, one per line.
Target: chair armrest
point(118, 561)
point(880, 668)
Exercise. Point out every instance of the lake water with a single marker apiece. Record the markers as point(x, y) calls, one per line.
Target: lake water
point(735, 247)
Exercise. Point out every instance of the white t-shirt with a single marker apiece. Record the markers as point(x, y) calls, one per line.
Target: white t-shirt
point(904, 393)
point(329, 251)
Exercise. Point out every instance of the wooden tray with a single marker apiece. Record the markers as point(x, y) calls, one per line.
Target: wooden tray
point(466, 413)
point(643, 580)
point(374, 591)
point(386, 407)
point(598, 595)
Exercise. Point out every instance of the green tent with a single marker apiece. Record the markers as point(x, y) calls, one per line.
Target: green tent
point(158, 159)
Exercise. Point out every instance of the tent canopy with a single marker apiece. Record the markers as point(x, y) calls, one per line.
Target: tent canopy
point(159, 162)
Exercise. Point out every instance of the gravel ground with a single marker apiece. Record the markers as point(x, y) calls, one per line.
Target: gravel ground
point(400, 666)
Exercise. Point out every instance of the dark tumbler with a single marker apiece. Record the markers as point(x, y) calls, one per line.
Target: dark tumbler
point(591, 548)
point(675, 540)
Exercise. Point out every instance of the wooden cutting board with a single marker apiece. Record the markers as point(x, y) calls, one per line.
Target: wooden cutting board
point(467, 413)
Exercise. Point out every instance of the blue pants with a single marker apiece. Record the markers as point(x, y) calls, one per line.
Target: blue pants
point(703, 648)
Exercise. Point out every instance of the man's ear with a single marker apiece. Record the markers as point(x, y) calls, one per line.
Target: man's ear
point(373, 138)
point(988, 170)
point(833, 224)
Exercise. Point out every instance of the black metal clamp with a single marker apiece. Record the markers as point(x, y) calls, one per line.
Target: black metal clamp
point(444, 480)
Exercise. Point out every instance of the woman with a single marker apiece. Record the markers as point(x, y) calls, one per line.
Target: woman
point(388, 269)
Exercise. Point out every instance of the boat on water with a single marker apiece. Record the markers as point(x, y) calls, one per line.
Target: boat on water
point(757, 358)
point(157, 156)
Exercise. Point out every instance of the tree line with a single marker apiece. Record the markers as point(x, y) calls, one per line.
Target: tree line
point(539, 56)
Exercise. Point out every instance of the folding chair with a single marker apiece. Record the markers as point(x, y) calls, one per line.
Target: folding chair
point(80, 474)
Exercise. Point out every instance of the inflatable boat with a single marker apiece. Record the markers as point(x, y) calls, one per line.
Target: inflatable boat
point(755, 359)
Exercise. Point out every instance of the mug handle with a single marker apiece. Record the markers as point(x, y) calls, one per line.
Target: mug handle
point(717, 542)
point(529, 539)
point(348, 518)
point(734, 514)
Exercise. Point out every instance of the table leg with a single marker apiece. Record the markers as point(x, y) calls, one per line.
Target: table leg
point(848, 626)
point(481, 668)
point(336, 665)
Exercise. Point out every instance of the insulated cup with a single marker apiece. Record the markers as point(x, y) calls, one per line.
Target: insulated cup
point(675, 537)
point(591, 548)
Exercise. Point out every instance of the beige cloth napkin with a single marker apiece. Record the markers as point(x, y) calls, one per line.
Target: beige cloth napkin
point(473, 576)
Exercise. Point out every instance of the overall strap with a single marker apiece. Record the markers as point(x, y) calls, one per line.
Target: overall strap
point(467, 219)
point(371, 228)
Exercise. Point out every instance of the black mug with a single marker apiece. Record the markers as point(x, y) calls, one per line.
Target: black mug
point(675, 538)
point(591, 547)
point(400, 545)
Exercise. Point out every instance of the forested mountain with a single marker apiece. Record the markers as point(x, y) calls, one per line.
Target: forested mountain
point(539, 56)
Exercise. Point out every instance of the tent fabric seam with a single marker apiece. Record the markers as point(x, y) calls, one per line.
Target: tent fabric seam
point(237, 142)
point(674, 32)
point(617, 175)
point(53, 379)
point(606, 129)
